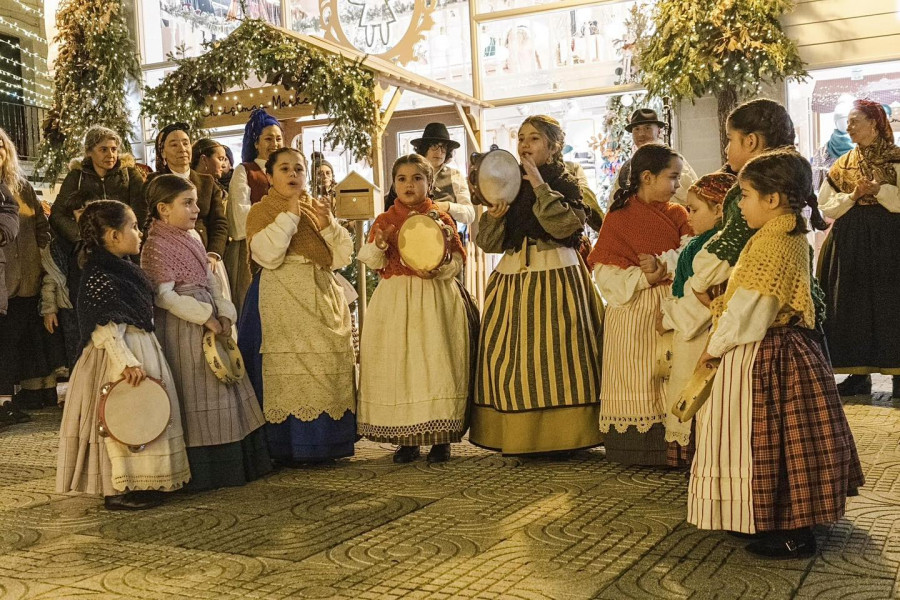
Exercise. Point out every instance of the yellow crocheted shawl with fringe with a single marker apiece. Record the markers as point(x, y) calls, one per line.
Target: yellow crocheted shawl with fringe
point(774, 263)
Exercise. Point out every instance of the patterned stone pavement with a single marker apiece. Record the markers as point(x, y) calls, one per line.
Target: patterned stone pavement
point(481, 526)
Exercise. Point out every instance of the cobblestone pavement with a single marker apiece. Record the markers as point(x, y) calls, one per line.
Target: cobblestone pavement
point(480, 526)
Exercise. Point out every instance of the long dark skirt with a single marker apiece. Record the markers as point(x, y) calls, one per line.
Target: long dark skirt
point(292, 439)
point(27, 350)
point(859, 270)
point(805, 462)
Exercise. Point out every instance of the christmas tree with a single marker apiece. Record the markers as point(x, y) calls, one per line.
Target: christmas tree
point(96, 62)
point(725, 47)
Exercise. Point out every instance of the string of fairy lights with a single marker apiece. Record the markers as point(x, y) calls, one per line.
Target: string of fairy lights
point(30, 9)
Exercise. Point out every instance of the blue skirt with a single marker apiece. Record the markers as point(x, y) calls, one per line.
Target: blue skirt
point(292, 439)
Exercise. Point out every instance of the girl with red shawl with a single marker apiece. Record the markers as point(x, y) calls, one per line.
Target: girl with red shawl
point(642, 220)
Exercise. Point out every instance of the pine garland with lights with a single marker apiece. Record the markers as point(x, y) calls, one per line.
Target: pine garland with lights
point(343, 90)
point(724, 47)
point(96, 64)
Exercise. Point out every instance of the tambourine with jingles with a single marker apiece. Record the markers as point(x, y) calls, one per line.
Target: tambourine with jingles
point(696, 392)
point(495, 177)
point(663, 366)
point(223, 357)
point(134, 415)
point(424, 241)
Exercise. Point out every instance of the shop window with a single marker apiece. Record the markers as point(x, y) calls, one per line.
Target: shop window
point(555, 51)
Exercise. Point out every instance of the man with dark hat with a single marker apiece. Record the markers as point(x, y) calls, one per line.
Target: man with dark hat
point(451, 191)
point(645, 128)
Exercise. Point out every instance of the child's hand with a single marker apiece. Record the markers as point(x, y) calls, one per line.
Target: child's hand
point(133, 375)
point(213, 325)
point(50, 322)
point(649, 263)
point(323, 213)
point(225, 322)
point(381, 236)
point(428, 274)
point(532, 175)
point(660, 328)
point(658, 275)
point(704, 297)
point(708, 360)
point(498, 211)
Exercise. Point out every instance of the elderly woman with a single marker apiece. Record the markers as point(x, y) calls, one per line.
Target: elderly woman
point(105, 173)
point(173, 155)
point(208, 157)
point(262, 136)
point(860, 262)
point(27, 356)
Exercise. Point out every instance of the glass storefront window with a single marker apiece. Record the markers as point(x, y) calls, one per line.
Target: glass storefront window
point(490, 6)
point(582, 119)
point(556, 51)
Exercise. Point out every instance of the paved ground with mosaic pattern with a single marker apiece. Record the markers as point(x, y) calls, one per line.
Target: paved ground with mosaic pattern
point(481, 526)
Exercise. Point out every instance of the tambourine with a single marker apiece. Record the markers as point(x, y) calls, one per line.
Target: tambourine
point(134, 415)
point(663, 366)
point(424, 242)
point(696, 392)
point(495, 177)
point(223, 357)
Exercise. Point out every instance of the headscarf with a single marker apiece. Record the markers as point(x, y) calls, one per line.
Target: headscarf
point(161, 143)
point(874, 162)
point(259, 120)
point(838, 144)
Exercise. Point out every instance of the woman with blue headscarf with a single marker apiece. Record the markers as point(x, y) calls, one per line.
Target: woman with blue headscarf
point(262, 136)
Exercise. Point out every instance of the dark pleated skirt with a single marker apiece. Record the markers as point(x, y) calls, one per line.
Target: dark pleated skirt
point(27, 350)
point(229, 465)
point(293, 439)
point(635, 448)
point(859, 271)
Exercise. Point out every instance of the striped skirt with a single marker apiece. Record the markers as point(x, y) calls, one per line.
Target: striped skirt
point(539, 353)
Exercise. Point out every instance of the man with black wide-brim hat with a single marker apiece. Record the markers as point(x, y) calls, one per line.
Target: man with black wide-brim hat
point(645, 128)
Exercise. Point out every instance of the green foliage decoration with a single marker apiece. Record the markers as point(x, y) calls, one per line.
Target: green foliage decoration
point(725, 47)
point(96, 66)
point(335, 86)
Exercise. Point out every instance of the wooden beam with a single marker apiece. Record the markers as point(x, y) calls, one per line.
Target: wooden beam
point(389, 110)
point(474, 138)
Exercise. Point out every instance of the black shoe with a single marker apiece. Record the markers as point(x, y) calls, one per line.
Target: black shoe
point(781, 545)
point(439, 453)
point(11, 414)
point(131, 501)
point(743, 536)
point(895, 393)
point(855, 385)
point(49, 397)
point(29, 399)
point(406, 454)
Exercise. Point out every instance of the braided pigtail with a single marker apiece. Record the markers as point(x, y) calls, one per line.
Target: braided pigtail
point(99, 217)
point(784, 171)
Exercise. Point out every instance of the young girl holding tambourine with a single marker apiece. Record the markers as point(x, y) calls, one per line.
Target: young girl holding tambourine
point(115, 317)
point(223, 422)
point(775, 455)
point(414, 352)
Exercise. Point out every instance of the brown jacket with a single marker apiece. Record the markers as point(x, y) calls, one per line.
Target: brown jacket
point(211, 223)
point(23, 256)
point(9, 229)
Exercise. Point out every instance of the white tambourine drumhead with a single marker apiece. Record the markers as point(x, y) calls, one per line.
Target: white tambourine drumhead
point(499, 178)
point(134, 415)
point(422, 243)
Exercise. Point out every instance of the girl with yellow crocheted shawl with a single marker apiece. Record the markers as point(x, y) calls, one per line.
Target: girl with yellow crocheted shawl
point(775, 455)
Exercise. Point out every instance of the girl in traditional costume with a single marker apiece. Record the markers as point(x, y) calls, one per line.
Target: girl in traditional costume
point(295, 331)
point(684, 314)
point(860, 261)
point(641, 220)
point(775, 455)
point(262, 136)
point(414, 370)
point(222, 422)
point(538, 381)
point(115, 317)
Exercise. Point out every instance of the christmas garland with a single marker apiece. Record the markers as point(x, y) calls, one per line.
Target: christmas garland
point(342, 89)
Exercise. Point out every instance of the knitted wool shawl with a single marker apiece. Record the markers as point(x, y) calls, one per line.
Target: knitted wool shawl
point(521, 221)
point(396, 216)
point(684, 268)
point(875, 161)
point(173, 254)
point(307, 242)
point(639, 228)
point(774, 263)
point(113, 290)
point(735, 232)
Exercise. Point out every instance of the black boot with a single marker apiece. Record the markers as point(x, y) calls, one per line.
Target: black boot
point(406, 454)
point(895, 393)
point(794, 543)
point(439, 453)
point(856, 385)
point(131, 501)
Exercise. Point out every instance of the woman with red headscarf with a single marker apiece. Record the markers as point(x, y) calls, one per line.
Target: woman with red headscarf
point(860, 263)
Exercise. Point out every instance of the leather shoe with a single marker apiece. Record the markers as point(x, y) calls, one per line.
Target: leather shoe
point(406, 454)
point(439, 453)
point(11, 414)
point(780, 545)
point(855, 385)
point(131, 501)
